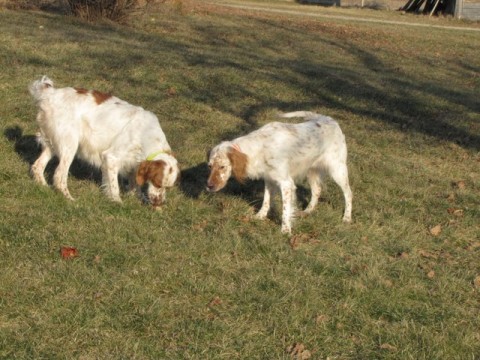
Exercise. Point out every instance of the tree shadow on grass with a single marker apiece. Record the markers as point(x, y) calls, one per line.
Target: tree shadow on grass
point(29, 149)
point(383, 90)
point(53, 6)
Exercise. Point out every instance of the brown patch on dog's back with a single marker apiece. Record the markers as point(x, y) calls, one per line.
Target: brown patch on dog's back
point(81, 91)
point(100, 97)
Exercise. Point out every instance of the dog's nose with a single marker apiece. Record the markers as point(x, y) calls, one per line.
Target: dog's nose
point(210, 187)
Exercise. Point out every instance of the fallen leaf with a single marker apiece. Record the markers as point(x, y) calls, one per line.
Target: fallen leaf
point(245, 219)
point(306, 354)
point(358, 268)
point(356, 340)
point(172, 91)
point(295, 348)
point(298, 239)
point(388, 347)
point(431, 274)
point(476, 281)
point(436, 230)
point(298, 352)
point(459, 184)
point(403, 255)
point(294, 242)
point(387, 283)
point(456, 212)
point(200, 226)
point(68, 252)
point(473, 246)
point(321, 319)
point(427, 254)
point(215, 301)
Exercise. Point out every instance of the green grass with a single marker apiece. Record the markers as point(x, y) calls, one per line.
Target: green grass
point(201, 279)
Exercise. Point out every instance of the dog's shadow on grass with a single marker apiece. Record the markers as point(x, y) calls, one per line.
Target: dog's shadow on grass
point(29, 149)
point(194, 182)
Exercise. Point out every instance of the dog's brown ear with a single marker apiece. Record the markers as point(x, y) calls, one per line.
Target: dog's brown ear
point(142, 170)
point(151, 171)
point(239, 164)
point(155, 175)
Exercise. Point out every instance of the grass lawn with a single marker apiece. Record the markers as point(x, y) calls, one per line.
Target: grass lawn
point(201, 279)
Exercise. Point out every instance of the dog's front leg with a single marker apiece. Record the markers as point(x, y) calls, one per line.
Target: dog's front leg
point(110, 177)
point(267, 200)
point(287, 188)
point(38, 167)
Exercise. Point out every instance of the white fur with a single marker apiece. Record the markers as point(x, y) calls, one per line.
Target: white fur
point(108, 133)
point(283, 154)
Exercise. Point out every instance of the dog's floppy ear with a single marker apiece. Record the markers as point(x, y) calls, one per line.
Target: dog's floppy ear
point(142, 173)
point(151, 171)
point(239, 164)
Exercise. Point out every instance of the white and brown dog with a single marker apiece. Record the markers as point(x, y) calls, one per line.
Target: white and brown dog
point(109, 133)
point(282, 154)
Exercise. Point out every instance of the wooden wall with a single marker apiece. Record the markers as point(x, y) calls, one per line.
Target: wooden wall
point(468, 9)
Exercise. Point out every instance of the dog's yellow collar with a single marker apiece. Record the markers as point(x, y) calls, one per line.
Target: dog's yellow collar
point(153, 155)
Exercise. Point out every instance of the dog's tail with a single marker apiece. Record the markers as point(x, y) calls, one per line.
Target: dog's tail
point(311, 116)
point(302, 114)
point(40, 88)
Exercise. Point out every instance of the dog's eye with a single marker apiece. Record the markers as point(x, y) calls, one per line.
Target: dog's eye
point(209, 166)
point(222, 167)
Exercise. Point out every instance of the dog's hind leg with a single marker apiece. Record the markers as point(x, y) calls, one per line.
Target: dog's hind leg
point(315, 182)
point(61, 173)
point(38, 167)
point(339, 174)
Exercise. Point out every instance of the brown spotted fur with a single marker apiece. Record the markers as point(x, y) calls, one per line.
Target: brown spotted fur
point(151, 171)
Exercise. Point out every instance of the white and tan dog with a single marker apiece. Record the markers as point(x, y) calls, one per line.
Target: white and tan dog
point(283, 154)
point(109, 133)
